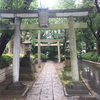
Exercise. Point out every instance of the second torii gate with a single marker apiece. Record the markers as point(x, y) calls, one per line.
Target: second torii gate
point(48, 40)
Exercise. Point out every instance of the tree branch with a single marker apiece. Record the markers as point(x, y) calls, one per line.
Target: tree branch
point(91, 25)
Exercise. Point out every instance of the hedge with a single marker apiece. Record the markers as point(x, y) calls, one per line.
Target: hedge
point(62, 57)
point(90, 56)
point(87, 56)
point(6, 60)
point(43, 57)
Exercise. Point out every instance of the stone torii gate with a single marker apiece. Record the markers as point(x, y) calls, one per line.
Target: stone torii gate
point(49, 40)
point(43, 15)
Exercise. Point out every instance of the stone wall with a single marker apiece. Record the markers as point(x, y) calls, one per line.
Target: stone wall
point(5, 72)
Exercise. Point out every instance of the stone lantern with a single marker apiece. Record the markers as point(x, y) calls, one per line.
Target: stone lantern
point(67, 64)
point(67, 59)
point(27, 46)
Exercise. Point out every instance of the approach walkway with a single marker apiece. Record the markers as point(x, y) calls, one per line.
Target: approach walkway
point(48, 85)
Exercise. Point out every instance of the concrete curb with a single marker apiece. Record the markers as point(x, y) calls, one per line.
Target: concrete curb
point(86, 84)
point(96, 63)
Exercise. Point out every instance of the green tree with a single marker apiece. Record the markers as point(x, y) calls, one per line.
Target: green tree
point(91, 35)
point(11, 5)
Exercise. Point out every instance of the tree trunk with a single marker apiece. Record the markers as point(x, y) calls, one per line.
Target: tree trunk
point(87, 48)
point(4, 39)
point(98, 42)
point(22, 45)
point(10, 50)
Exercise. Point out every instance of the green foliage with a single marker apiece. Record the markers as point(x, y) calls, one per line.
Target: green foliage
point(65, 4)
point(99, 59)
point(88, 36)
point(95, 57)
point(5, 23)
point(62, 57)
point(90, 56)
point(56, 57)
point(43, 57)
point(33, 5)
point(11, 4)
point(87, 56)
point(32, 57)
point(5, 60)
point(21, 55)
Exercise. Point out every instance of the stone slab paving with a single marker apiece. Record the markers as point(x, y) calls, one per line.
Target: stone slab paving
point(48, 85)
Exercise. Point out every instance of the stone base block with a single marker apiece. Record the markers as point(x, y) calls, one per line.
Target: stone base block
point(14, 89)
point(76, 88)
point(67, 68)
point(67, 62)
point(29, 77)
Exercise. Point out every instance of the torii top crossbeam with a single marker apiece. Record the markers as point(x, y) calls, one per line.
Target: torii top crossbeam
point(51, 13)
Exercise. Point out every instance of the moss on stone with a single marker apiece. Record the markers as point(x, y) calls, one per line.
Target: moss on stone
point(67, 68)
point(27, 76)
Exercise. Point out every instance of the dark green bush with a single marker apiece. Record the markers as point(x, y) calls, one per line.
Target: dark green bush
point(43, 57)
point(98, 58)
point(95, 57)
point(5, 60)
point(62, 57)
point(90, 56)
point(87, 56)
point(56, 57)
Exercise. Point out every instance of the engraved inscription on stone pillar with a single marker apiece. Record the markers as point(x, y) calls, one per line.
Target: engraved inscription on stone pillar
point(43, 18)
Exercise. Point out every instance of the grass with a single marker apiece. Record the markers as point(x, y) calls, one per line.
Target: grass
point(64, 82)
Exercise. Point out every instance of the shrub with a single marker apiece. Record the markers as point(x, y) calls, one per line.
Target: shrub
point(5, 60)
point(43, 57)
point(32, 57)
point(21, 55)
point(95, 57)
point(90, 56)
point(98, 58)
point(56, 57)
point(62, 57)
point(87, 56)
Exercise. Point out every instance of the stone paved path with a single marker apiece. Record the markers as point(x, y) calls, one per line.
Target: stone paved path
point(48, 85)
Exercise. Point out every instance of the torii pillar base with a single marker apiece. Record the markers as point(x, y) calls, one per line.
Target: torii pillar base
point(14, 89)
point(76, 89)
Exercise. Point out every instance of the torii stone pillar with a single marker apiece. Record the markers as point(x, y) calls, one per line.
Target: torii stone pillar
point(16, 50)
point(39, 52)
point(73, 53)
point(59, 59)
